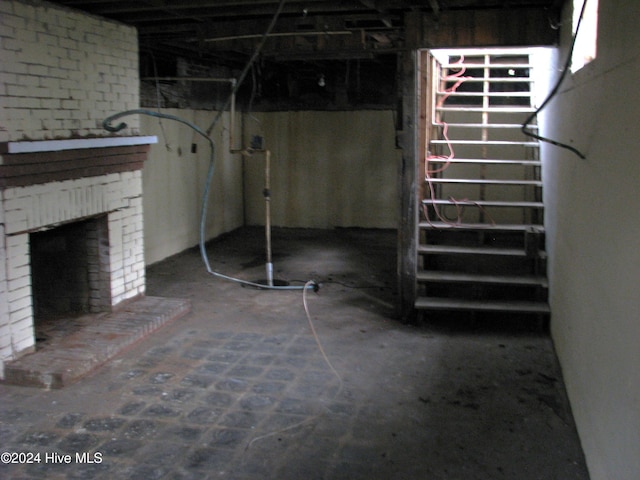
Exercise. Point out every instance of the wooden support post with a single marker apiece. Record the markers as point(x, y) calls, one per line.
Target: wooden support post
point(408, 228)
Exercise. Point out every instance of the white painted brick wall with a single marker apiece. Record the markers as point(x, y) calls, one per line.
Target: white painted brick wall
point(24, 209)
point(16, 319)
point(63, 72)
point(5, 329)
point(36, 206)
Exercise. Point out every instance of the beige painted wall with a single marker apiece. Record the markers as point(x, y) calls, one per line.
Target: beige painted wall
point(174, 179)
point(328, 169)
point(594, 243)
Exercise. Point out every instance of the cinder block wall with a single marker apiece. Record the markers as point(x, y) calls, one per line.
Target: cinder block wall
point(62, 72)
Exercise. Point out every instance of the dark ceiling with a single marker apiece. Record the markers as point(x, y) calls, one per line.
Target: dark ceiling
point(352, 45)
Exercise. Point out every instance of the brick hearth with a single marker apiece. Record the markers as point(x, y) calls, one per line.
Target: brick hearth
point(84, 343)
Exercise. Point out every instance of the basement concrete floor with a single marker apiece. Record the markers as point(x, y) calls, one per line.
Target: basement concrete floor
point(239, 389)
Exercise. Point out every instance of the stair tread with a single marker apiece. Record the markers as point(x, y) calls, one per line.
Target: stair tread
point(483, 125)
point(497, 109)
point(496, 65)
point(467, 250)
point(484, 94)
point(459, 277)
point(488, 161)
point(482, 203)
point(482, 226)
point(486, 181)
point(514, 306)
point(486, 142)
point(499, 80)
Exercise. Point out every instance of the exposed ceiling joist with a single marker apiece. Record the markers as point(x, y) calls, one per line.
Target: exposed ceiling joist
point(325, 35)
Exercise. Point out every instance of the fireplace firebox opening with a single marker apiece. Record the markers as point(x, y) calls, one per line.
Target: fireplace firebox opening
point(69, 270)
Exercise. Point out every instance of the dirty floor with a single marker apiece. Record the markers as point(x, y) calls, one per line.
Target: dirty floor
point(241, 388)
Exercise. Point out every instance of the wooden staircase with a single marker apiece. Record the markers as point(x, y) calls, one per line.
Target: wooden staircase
point(481, 244)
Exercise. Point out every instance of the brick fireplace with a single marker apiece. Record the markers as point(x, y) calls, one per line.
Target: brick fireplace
point(70, 213)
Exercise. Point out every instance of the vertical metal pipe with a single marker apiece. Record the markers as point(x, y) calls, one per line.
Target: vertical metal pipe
point(232, 120)
point(267, 208)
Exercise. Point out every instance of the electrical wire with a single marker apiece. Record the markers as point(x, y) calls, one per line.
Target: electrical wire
point(158, 101)
point(553, 93)
point(428, 172)
point(248, 66)
point(459, 80)
point(309, 285)
point(254, 87)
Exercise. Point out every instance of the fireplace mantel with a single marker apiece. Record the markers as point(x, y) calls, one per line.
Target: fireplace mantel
point(74, 144)
point(35, 162)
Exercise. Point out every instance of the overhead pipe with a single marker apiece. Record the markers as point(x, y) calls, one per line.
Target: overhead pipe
point(191, 79)
point(318, 33)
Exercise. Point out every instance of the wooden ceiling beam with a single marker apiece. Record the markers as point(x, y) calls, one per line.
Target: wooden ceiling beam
point(501, 27)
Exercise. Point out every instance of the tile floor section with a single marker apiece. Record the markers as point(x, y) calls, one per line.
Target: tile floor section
point(239, 389)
